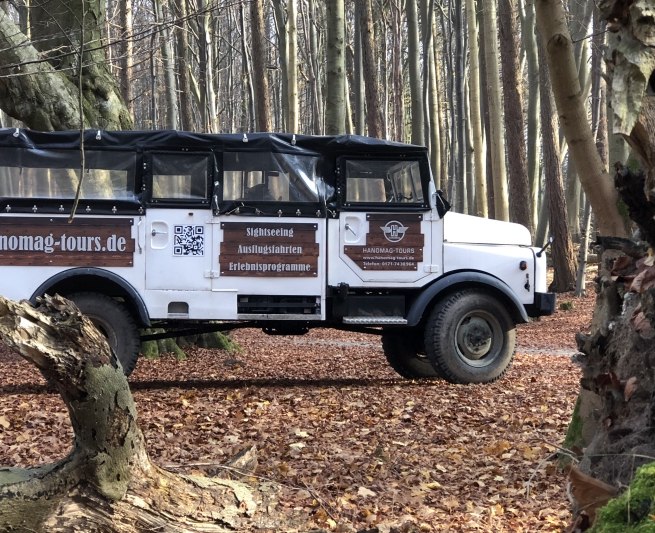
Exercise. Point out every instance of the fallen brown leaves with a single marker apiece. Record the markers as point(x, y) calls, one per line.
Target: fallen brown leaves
point(346, 439)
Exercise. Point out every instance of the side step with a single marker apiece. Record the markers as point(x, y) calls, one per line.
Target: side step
point(375, 320)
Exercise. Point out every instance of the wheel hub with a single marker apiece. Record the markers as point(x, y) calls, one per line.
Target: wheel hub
point(474, 337)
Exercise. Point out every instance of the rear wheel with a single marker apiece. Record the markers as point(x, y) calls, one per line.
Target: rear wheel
point(470, 337)
point(407, 356)
point(115, 322)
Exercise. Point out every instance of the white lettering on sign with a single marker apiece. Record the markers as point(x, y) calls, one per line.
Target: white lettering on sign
point(269, 249)
point(64, 243)
point(268, 267)
point(259, 232)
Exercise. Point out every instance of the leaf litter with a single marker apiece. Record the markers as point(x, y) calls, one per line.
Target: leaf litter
point(346, 439)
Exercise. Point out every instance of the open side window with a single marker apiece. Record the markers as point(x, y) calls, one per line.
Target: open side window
point(179, 178)
point(383, 184)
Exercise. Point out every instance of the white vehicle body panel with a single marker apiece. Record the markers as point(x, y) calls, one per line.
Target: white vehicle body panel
point(477, 230)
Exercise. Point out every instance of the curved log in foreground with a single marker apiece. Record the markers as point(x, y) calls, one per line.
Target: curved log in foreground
point(107, 483)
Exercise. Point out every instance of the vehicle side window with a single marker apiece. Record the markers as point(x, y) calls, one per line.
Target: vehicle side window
point(180, 177)
point(383, 182)
point(52, 174)
point(269, 177)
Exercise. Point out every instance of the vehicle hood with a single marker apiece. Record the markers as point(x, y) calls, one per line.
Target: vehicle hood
point(476, 230)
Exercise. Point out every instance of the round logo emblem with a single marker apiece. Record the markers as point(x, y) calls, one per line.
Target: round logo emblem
point(394, 231)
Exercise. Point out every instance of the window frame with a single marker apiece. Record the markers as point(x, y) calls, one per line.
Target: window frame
point(149, 175)
point(345, 205)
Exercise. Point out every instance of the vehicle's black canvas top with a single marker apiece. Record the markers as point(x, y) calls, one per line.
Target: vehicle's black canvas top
point(176, 140)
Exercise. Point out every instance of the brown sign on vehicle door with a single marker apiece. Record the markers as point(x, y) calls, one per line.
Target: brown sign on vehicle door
point(52, 241)
point(269, 249)
point(393, 242)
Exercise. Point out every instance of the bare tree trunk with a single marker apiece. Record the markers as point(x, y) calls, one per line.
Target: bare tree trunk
point(45, 96)
point(613, 421)
point(182, 49)
point(533, 126)
point(415, 82)
point(519, 188)
point(396, 70)
point(563, 257)
point(248, 123)
point(170, 90)
point(476, 119)
point(432, 91)
point(126, 53)
point(107, 483)
point(292, 39)
point(373, 112)
point(335, 106)
point(260, 75)
point(496, 137)
point(596, 183)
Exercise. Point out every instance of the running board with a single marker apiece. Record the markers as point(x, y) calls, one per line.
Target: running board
point(375, 320)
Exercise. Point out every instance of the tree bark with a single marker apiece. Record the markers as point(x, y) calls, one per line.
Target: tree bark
point(530, 45)
point(292, 40)
point(613, 423)
point(40, 86)
point(373, 113)
point(597, 184)
point(183, 74)
point(260, 75)
point(126, 53)
point(476, 118)
point(415, 82)
point(107, 483)
point(335, 105)
point(563, 257)
point(496, 138)
point(519, 188)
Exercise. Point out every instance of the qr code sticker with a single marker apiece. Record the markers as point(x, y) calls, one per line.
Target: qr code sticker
point(188, 240)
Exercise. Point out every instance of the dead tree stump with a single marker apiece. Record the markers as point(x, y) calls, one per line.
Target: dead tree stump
point(107, 483)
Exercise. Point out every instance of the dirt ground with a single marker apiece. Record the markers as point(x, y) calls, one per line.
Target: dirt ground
point(347, 440)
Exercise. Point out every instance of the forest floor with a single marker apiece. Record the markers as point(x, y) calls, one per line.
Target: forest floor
point(347, 440)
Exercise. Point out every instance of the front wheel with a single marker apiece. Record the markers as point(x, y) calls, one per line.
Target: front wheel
point(470, 337)
point(115, 322)
point(407, 357)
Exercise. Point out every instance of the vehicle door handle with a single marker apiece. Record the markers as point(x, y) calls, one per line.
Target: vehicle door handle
point(349, 228)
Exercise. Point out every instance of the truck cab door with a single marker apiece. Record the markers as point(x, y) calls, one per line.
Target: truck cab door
point(383, 233)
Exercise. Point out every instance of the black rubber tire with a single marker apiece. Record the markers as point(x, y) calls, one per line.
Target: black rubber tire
point(115, 322)
point(470, 337)
point(406, 358)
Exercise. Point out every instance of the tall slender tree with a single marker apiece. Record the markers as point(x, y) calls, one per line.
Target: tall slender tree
point(474, 107)
point(260, 76)
point(373, 113)
point(335, 106)
point(519, 188)
point(551, 20)
point(496, 138)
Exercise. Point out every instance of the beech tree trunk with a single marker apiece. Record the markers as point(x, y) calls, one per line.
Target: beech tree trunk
point(519, 187)
point(597, 184)
point(613, 424)
point(496, 137)
point(107, 483)
point(45, 94)
point(335, 105)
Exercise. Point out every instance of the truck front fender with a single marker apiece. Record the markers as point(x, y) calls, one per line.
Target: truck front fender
point(467, 279)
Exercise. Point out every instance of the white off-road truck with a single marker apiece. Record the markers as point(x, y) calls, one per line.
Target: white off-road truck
point(191, 232)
